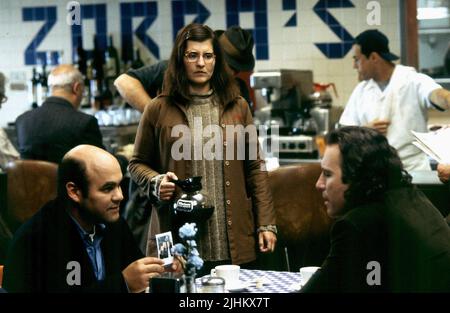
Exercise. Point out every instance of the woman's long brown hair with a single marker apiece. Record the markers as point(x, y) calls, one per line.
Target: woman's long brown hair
point(176, 83)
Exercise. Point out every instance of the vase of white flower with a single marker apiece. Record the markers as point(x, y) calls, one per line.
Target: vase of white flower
point(188, 255)
point(188, 284)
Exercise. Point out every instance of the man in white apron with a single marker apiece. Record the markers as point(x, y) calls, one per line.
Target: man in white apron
point(391, 98)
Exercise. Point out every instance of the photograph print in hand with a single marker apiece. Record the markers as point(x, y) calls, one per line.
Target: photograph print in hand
point(164, 243)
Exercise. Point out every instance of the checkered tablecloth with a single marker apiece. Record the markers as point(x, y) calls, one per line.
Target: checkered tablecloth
point(273, 281)
point(269, 281)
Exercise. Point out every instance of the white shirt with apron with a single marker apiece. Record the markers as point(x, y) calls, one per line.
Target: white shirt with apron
point(404, 102)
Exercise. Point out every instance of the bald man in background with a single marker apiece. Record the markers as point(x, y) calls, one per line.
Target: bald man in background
point(51, 130)
point(88, 247)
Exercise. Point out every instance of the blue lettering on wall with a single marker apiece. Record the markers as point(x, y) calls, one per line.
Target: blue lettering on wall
point(91, 11)
point(47, 14)
point(148, 10)
point(180, 8)
point(334, 50)
point(290, 5)
point(260, 32)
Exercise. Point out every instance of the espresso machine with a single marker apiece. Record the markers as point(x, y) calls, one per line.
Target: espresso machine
point(283, 103)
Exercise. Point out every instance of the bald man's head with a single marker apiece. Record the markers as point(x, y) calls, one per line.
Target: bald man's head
point(80, 164)
point(89, 180)
point(92, 155)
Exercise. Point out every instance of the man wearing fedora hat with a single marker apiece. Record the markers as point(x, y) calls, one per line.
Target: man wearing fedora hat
point(392, 99)
point(139, 86)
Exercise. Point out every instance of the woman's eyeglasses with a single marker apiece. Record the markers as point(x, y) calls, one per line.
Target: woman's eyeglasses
point(193, 56)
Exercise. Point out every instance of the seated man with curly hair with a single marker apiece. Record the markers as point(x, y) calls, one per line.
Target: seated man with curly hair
point(387, 236)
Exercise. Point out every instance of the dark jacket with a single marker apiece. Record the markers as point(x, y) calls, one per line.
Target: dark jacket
point(51, 130)
point(405, 234)
point(43, 247)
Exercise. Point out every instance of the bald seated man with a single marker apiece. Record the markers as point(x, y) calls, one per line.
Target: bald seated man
point(51, 130)
point(77, 242)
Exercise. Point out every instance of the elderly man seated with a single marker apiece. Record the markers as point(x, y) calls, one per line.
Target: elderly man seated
point(387, 237)
point(51, 130)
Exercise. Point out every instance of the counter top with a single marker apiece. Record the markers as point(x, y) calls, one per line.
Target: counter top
point(444, 82)
point(113, 136)
point(297, 161)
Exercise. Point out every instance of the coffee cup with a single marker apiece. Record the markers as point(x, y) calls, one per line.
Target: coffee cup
point(230, 273)
point(307, 272)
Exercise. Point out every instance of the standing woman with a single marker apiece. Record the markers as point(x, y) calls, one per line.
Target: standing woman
point(199, 95)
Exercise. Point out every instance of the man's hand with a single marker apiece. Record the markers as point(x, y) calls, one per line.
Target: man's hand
point(138, 273)
point(167, 187)
point(379, 125)
point(175, 266)
point(444, 172)
point(267, 241)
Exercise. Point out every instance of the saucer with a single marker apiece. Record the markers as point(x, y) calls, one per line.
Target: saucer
point(237, 286)
point(295, 287)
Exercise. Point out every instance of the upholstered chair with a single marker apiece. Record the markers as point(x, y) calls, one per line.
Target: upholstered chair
point(302, 221)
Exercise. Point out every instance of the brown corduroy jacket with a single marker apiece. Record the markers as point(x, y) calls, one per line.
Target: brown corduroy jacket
point(248, 200)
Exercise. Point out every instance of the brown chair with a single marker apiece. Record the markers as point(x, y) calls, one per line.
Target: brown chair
point(1, 275)
point(302, 221)
point(31, 184)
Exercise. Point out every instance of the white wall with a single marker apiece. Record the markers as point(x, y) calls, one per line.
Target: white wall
point(289, 47)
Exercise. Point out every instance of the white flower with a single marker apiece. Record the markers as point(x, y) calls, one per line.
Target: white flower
point(188, 252)
point(187, 231)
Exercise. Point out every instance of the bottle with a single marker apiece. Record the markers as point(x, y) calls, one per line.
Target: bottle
point(34, 86)
point(106, 95)
point(112, 71)
point(90, 83)
point(96, 82)
point(137, 61)
point(98, 60)
point(81, 57)
point(127, 53)
point(80, 60)
point(42, 86)
point(112, 65)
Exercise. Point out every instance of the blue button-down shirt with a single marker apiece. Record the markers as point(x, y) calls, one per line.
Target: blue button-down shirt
point(92, 244)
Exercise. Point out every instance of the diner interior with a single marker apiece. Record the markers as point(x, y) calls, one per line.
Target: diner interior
point(298, 89)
